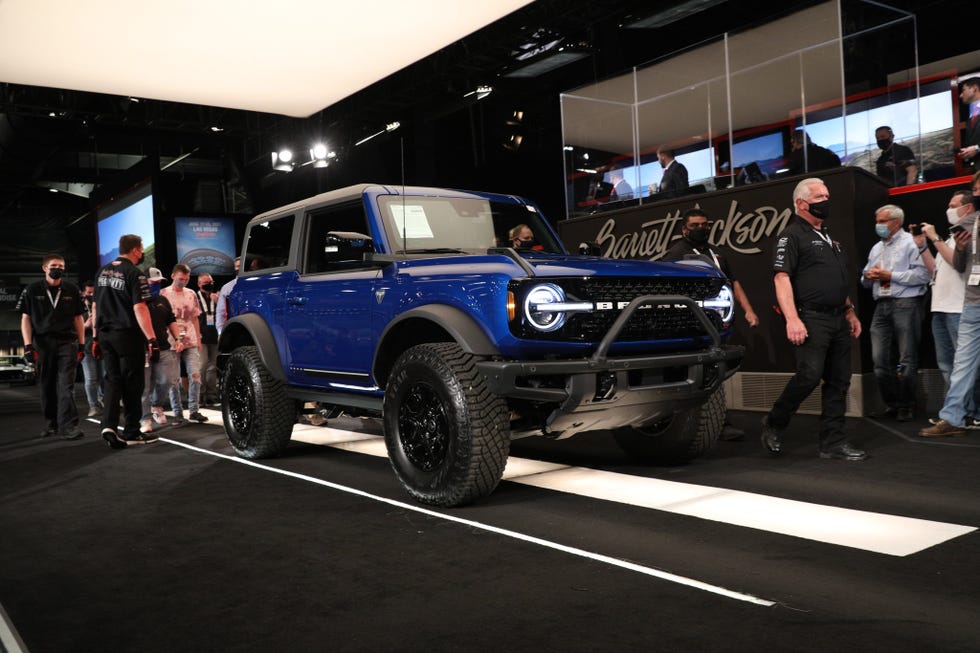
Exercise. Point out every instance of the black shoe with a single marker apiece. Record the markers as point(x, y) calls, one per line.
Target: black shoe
point(731, 433)
point(73, 434)
point(198, 417)
point(142, 438)
point(47, 432)
point(889, 413)
point(112, 439)
point(771, 438)
point(844, 451)
point(905, 415)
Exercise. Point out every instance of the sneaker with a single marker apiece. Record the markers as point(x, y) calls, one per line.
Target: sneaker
point(972, 424)
point(179, 418)
point(158, 415)
point(142, 438)
point(146, 425)
point(941, 429)
point(47, 432)
point(113, 440)
point(94, 411)
point(73, 434)
point(198, 417)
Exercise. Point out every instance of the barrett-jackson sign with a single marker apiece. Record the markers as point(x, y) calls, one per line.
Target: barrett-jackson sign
point(746, 221)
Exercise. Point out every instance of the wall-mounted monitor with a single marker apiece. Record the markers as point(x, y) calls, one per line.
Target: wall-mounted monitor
point(766, 148)
point(129, 213)
point(206, 244)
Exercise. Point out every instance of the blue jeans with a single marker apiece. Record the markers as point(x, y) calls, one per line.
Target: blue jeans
point(945, 326)
point(897, 324)
point(961, 381)
point(158, 377)
point(93, 379)
point(192, 363)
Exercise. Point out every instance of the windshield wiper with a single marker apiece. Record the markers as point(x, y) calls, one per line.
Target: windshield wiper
point(434, 250)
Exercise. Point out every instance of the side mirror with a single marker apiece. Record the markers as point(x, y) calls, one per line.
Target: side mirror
point(346, 246)
point(589, 249)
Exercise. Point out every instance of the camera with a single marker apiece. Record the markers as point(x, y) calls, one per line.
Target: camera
point(916, 229)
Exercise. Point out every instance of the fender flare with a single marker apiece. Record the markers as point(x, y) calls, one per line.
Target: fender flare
point(261, 335)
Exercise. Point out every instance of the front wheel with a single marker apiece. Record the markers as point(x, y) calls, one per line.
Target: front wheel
point(679, 438)
point(258, 415)
point(447, 435)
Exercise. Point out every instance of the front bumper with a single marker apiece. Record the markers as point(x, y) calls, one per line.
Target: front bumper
point(601, 393)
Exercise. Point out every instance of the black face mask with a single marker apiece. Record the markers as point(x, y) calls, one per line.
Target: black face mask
point(528, 243)
point(207, 286)
point(55, 273)
point(140, 261)
point(699, 236)
point(976, 202)
point(820, 210)
point(884, 143)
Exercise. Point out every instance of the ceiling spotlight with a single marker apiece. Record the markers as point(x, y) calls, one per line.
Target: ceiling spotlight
point(282, 160)
point(319, 151)
point(392, 126)
point(217, 129)
point(481, 92)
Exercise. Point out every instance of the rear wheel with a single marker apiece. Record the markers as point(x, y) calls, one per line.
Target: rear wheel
point(258, 415)
point(447, 435)
point(677, 439)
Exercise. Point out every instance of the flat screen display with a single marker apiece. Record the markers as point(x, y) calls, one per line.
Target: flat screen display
point(206, 245)
point(132, 213)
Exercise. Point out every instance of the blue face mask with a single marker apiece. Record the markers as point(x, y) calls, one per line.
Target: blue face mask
point(154, 289)
point(883, 230)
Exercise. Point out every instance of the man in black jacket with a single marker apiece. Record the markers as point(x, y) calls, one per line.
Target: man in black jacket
point(970, 96)
point(674, 181)
point(54, 339)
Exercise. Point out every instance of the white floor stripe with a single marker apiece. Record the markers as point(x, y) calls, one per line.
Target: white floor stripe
point(615, 562)
point(870, 531)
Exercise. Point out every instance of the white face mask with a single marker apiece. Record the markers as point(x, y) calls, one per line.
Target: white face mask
point(953, 215)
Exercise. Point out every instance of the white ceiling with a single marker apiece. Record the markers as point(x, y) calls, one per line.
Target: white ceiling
point(290, 57)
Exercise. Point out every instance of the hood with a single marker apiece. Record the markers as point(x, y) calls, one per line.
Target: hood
point(548, 265)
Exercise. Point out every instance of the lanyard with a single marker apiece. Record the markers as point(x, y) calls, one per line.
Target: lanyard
point(54, 300)
point(713, 256)
point(206, 303)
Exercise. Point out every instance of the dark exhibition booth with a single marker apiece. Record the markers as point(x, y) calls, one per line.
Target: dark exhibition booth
point(588, 110)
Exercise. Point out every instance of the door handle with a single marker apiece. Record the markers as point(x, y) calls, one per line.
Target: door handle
point(297, 301)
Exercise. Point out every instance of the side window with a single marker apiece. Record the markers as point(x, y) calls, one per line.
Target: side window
point(268, 244)
point(338, 238)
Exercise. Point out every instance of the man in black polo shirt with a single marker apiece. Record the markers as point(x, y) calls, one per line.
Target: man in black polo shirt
point(54, 338)
point(124, 337)
point(896, 165)
point(812, 278)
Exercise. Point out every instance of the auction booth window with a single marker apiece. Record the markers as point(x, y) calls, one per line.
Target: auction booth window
point(729, 108)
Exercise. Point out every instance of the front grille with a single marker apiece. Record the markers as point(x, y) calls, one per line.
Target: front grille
point(659, 323)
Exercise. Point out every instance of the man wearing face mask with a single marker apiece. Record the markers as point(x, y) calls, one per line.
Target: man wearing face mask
point(91, 367)
point(183, 301)
point(54, 340)
point(948, 287)
point(207, 299)
point(123, 337)
point(811, 277)
point(898, 278)
point(521, 237)
point(953, 417)
point(158, 376)
point(694, 245)
point(896, 165)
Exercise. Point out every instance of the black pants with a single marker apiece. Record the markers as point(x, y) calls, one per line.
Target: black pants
point(123, 357)
point(825, 355)
point(57, 360)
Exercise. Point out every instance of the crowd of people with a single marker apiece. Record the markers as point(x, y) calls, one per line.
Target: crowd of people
point(136, 339)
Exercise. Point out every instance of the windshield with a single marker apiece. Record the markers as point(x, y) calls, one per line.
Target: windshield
point(469, 225)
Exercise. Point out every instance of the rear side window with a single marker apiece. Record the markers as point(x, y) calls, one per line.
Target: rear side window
point(268, 244)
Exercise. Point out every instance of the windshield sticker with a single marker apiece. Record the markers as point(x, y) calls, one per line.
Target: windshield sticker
point(410, 221)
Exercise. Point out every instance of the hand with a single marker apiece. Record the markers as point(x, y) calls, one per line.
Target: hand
point(81, 351)
point(962, 238)
point(929, 230)
point(796, 331)
point(30, 355)
point(854, 323)
point(752, 319)
point(153, 349)
point(96, 350)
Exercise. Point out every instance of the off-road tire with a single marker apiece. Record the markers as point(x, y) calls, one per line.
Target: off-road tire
point(447, 435)
point(258, 415)
point(681, 438)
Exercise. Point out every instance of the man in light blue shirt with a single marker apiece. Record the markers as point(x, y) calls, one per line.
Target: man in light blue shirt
point(898, 279)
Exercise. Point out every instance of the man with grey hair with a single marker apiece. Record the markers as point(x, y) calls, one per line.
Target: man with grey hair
point(898, 278)
point(811, 275)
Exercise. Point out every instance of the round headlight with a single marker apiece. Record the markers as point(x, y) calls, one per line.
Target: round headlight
point(723, 303)
point(537, 310)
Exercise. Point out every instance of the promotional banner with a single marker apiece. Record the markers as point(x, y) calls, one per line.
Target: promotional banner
point(206, 245)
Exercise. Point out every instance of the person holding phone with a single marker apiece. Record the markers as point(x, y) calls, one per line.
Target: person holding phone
point(898, 279)
point(953, 415)
point(948, 286)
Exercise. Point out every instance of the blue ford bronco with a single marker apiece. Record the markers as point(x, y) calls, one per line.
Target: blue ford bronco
point(415, 305)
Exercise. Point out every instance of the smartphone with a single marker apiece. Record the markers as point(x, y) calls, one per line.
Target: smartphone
point(916, 229)
point(955, 229)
